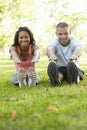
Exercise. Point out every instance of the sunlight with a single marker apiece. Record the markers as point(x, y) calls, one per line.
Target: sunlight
point(76, 5)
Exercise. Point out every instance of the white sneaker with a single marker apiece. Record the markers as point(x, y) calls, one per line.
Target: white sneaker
point(22, 77)
point(78, 79)
point(60, 77)
point(29, 82)
point(32, 76)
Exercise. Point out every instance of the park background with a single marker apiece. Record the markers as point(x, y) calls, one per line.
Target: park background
point(42, 107)
point(41, 16)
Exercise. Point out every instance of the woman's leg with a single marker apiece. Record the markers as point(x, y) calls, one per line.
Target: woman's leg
point(20, 78)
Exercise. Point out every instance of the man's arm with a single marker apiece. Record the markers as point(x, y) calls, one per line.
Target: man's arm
point(76, 53)
point(14, 54)
point(51, 54)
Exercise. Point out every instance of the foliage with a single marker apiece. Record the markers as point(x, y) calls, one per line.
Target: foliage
point(40, 16)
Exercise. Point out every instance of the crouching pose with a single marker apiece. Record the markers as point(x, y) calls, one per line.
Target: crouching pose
point(64, 52)
point(25, 53)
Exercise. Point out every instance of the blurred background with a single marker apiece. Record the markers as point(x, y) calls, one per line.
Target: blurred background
point(41, 16)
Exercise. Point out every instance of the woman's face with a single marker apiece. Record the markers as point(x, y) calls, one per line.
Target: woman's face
point(24, 39)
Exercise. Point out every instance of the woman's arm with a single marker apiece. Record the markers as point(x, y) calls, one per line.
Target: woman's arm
point(36, 54)
point(13, 52)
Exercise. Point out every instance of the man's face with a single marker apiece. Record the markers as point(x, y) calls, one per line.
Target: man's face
point(63, 34)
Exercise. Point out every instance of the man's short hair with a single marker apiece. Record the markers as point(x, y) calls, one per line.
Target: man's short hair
point(62, 24)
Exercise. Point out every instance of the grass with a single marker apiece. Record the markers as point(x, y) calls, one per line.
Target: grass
point(41, 107)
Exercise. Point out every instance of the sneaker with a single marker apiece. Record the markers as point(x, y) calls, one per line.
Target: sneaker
point(60, 77)
point(32, 76)
point(72, 73)
point(53, 74)
point(22, 77)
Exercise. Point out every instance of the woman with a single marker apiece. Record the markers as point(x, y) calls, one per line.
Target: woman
point(25, 53)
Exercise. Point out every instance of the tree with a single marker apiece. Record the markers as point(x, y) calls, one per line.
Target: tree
point(40, 16)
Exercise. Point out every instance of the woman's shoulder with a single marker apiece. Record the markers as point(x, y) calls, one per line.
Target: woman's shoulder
point(35, 46)
point(13, 48)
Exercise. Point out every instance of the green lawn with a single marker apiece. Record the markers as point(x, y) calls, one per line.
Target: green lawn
point(41, 107)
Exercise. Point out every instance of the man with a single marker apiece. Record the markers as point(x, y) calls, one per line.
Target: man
point(64, 52)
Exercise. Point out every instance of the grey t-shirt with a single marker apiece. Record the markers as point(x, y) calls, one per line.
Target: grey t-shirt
point(64, 52)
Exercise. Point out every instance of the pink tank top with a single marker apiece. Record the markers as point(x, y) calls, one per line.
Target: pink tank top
point(25, 64)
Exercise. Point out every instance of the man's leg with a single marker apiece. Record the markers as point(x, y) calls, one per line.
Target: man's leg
point(72, 73)
point(52, 71)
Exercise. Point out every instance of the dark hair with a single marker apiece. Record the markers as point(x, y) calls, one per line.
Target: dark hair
point(32, 40)
point(62, 25)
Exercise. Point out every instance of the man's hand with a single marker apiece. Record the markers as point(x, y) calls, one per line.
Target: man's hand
point(73, 57)
point(35, 59)
point(53, 57)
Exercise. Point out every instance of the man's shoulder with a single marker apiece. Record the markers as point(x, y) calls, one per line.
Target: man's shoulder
point(53, 42)
point(73, 39)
